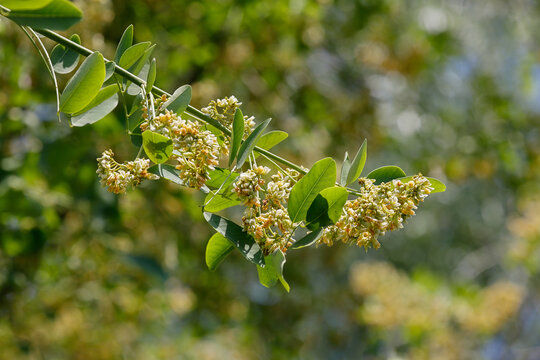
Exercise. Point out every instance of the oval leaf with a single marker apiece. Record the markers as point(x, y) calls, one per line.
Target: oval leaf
point(345, 167)
point(217, 202)
point(270, 139)
point(55, 15)
point(386, 174)
point(102, 105)
point(250, 142)
point(237, 134)
point(239, 238)
point(109, 69)
point(217, 249)
point(151, 78)
point(166, 171)
point(218, 176)
point(308, 240)
point(159, 148)
point(321, 176)
point(65, 60)
point(24, 4)
point(273, 271)
point(357, 164)
point(125, 42)
point(327, 207)
point(84, 85)
point(132, 54)
point(179, 100)
point(141, 69)
point(436, 184)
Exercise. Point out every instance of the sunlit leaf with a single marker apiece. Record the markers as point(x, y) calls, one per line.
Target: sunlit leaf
point(125, 42)
point(84, 85)
point(237, 134)
point(132, 54)
point(438, 185)
point(345, 167)
point(217, 202)
point(55, 15)
point(159, 148)
point(217, 249)
point(240, 239)
point(385, 174)
point(327, 207)
point(321, 176)
point(250, 142)
point(357, 164)
point(220, 175)
point(151, 78)
point(102, 105)
point(65, 60)
point(24, 4)
point(273, 271)
point(269, 140)
point(179, 100)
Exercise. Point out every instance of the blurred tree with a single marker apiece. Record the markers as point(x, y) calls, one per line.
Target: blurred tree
point(448, 88)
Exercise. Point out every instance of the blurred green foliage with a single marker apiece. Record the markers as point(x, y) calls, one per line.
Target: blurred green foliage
point(449, 89)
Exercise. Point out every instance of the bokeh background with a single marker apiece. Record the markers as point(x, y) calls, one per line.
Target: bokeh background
point(450, 89)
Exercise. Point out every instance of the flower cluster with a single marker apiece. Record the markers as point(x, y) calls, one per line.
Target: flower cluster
point(223, 111)
point(117, 177)
point(195, 149)
point(267, 219)
point(378, 209)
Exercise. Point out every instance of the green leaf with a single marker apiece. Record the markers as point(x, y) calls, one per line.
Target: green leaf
point(357, 164)
point(239, 238)
point(217, 249)
point(327, 207)
point(220, 175)
point(24, 4)
point(438, 185)
point(237, 134)
point(151, 78)
point(55, 15)
point(65, 60)
point(250, 142)
point(217, 202)
point(135, 119)
point(125, 42)
point(345, 167)
point(179, 100)
point(308, 240)
point(270, 139)
point(385, 174)
point(102, 105)
point(166, 171)
point(109, 69)
point(273, 271)
point(84, 85)
point(132, 54)
point(141, 69)
point(159, 148)
point(321, 176)
point(136, 137)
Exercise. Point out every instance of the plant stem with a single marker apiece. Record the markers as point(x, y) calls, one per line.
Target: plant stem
point(194, 112)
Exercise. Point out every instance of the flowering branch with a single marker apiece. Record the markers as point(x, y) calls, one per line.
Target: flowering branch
point(187, 145)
